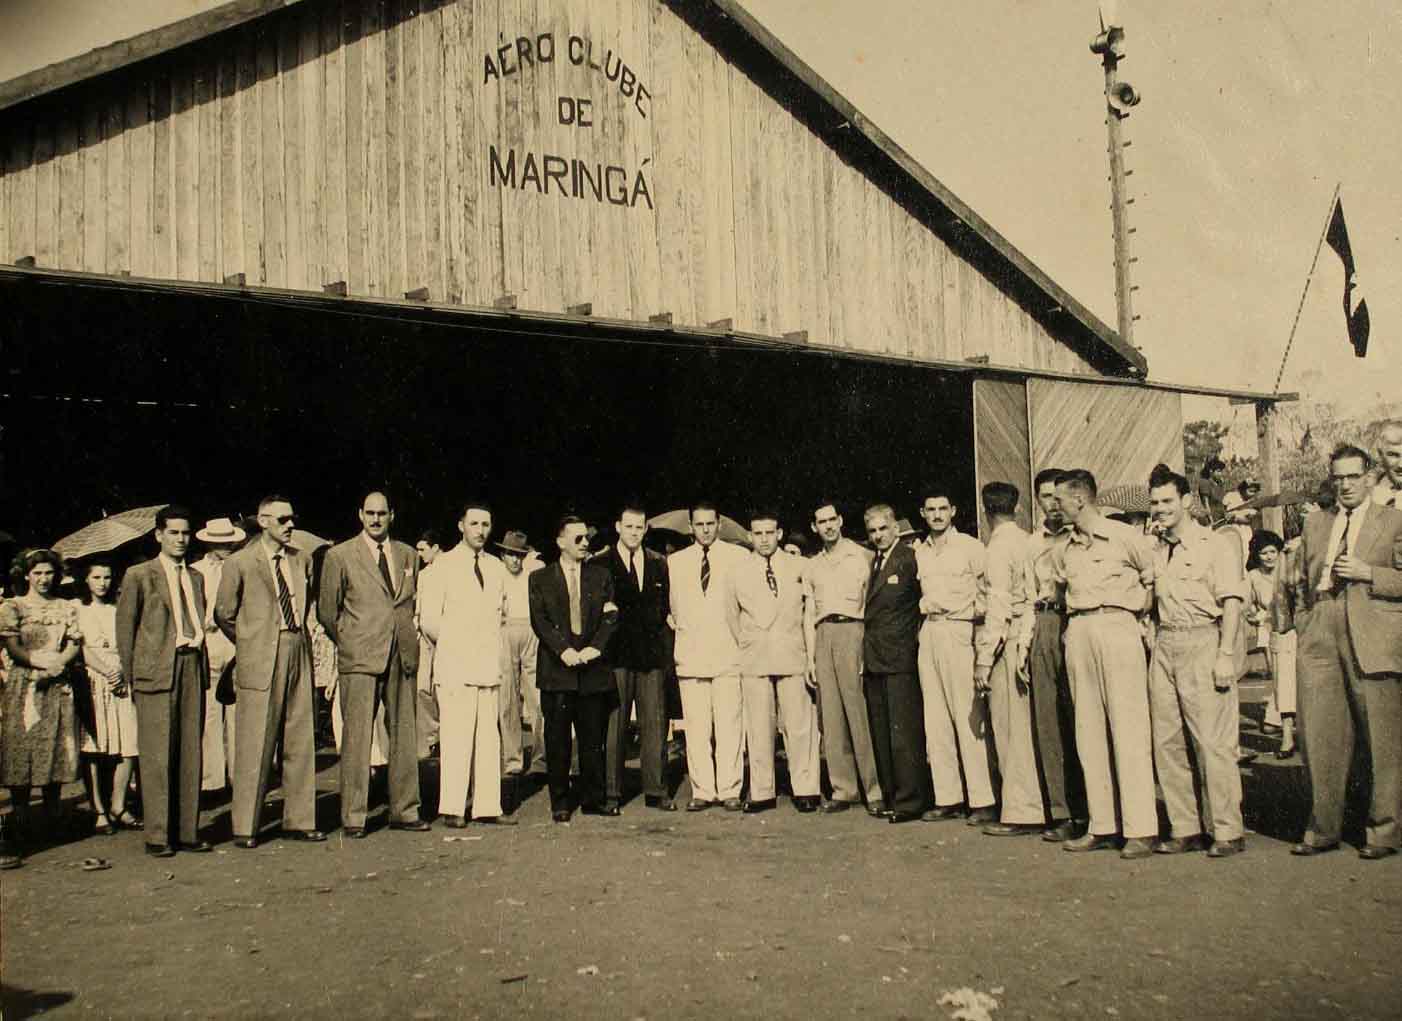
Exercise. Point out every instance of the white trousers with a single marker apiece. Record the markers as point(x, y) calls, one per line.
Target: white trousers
point(798, 719)
point(469, 750)
point(1282, 699)
point(957, 728)
point(711, 710)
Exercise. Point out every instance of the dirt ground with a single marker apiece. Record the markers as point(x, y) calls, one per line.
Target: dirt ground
point(654, 915)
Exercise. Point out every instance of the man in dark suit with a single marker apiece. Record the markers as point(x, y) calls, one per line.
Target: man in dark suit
point(639, 654)
point(366, 605)
point(160, 642)
point(574, 616)
point(1350, 657)
point(890, 656)
point(262, 608)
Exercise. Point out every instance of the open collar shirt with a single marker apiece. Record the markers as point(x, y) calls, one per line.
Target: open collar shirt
point(1193, 575)
point(950, 570)
point(1111, 565)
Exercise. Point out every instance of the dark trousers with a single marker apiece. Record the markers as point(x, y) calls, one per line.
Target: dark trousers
point(169, 735)
point(1336, 704)
point(588, 714)
point(283, 709)
point(897, 716)
point(361, 695)
point(646, 688)
point(1054, 721)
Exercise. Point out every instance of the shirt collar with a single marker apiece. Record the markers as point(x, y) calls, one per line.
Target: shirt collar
point(374, 545)
point(169, 564)
point(625, 553)
point(935, 543)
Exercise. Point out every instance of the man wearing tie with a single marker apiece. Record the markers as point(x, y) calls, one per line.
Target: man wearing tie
point(705, 657)
point(262, 609)
point(1388, 490)
point(639, 655)
point(366, 605)
point(890, 655)
point(765, 610)
point(1350, 658)
point(460, 611)
point(574, 616)
point(160, 642)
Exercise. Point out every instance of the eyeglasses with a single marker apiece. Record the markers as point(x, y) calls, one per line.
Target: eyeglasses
point(580, 540)
point(1351, 477)
point(285, 519)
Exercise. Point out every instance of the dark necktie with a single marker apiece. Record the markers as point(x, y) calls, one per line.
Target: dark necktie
point(1343, 539)
point(477, 570)
point(187, 614)
point(876, 566)
point(284, 597)
point(384, 568)
point(769, 575)
point(705, 569)
point(633, 569)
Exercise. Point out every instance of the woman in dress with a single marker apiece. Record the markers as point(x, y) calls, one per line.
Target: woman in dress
point(1262, 563)
point(109, 740)
point(41, 638)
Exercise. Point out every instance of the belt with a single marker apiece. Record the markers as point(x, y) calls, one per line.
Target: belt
point(1188, 627)
point(1050, 605)
point(937, 617)
point(840, 618)
point(187, 648)
point(1100, 609)
point(289, 631)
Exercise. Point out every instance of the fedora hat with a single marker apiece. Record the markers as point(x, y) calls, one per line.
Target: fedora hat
point(221, 531)
point(514, 542)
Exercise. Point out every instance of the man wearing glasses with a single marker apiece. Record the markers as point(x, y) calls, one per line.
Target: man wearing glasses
point(1350, 657)
point(262, 609)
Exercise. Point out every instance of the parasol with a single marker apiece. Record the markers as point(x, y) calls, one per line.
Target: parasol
point(109, 533)
point(679, 521)
point(1132, 498)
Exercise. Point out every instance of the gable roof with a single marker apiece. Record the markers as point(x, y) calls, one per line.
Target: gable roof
point(838, 120)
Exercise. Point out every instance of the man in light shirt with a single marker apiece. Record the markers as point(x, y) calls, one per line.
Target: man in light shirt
point(837, 588)
point(1388, 489)
point(951, 569)
point(706, 661)
point(519, 697)
point(429, 548)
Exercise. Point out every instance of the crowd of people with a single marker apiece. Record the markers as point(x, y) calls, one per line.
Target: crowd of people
point(1029, 684)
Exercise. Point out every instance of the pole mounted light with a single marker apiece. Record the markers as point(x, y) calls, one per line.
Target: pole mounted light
point(1120, 96)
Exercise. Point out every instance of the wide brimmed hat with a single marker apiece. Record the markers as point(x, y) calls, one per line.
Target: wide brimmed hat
point(514, 542)
point(221, 531)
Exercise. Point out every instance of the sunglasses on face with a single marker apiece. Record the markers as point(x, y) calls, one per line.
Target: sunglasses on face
point(285, 519)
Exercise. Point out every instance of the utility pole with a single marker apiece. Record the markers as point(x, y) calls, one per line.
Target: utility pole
point(1119, 97)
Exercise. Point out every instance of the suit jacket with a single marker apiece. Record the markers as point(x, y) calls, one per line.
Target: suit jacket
point(147, 626)
point(464, 618)
point(247, 611)
point(704, 645)
point(641, 641)
point(359, 612)
point(550, 619)
point(891, 642)
point(1374, 611)
point(768, 628)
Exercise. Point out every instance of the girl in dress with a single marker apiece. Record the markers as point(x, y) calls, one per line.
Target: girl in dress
point(41, 638)
point(109, 742)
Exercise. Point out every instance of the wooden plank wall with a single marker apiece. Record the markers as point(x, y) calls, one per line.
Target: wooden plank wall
point(1002, 451)
point(348, 140)
point(1117, 432)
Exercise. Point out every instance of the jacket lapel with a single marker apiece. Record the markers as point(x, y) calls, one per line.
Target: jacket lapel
point(368, 563)
point(162, 583)
point(1368, 531)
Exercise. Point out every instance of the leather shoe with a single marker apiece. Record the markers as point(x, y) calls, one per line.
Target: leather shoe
point(1181, 845)
point(698, 805)
point(560, 815)
point(833, 807)
point(877, 809)
point(899, 817)
point(940, 814)
point(1303, 850)
point(733, 805)
point(160, 850)
point(657, 801)
point(1059, 831)
point(1227, 848)
point(605, 810)
point(353, 832)
point(247, 843)
point(310, 836)
point(755, 807)
point(198, 847)
point(498, 820)
point(982, 816)
point(807, 803)
point(411, 825)
point(1090, 842)
point(1011, 829)
point(454, 822)
point(1136, 848)
point(1375, 852)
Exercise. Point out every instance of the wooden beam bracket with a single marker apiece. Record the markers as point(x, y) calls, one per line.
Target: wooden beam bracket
point(506, 301)
point(797, 336)
point(722, 324)
point(417, 294)
point(236, 279)
point(336, 287)
point(584, 308)
point(661, 319)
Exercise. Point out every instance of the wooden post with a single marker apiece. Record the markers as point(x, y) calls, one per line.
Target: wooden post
point(1272, 517)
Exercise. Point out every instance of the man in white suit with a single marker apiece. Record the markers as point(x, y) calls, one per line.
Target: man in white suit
point(221, 539)
point(461, 606)
point(706, 662)
point(766, 612)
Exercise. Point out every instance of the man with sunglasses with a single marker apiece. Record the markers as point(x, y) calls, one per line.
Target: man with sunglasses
point(1350, 657)
point(262, 608)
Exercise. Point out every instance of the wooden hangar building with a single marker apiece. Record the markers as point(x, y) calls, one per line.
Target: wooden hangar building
point(550, 252)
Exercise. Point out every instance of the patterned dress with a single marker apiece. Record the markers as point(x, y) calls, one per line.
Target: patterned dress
point(40, 728)
point(113, 730)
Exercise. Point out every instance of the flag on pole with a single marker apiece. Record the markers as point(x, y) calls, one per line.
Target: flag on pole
point(1355, 307)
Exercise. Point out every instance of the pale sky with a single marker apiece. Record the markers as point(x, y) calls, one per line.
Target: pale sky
point(1252, 111)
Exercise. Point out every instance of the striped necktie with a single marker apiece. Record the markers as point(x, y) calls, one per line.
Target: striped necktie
point(705, 569)
point(769, 575)
point(187, 615)
point(284, 597)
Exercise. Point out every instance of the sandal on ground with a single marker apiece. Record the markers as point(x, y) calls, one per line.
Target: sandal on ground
point(126, 820)
point(1285, 753)
point(103, 827)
